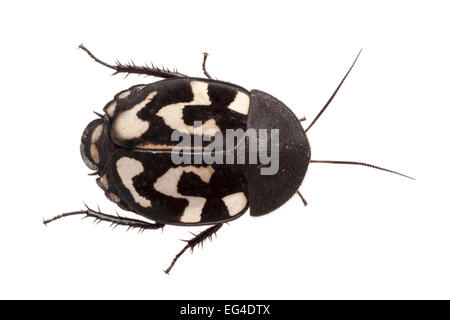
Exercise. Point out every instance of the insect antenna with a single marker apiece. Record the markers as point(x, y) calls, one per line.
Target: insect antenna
point(334, 93)
point(361, 164)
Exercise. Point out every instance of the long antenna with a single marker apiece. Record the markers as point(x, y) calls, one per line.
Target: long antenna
point(334, 93)
point(361, 164)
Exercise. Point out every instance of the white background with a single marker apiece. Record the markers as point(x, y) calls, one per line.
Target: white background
point(365, 233)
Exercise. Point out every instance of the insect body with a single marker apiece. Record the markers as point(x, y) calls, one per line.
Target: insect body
point(131, 147)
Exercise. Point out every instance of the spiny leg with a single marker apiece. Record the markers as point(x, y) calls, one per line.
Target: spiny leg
point(205, 56)
point(197, 240)
point(303, 199)
point(114, 220)
point(132, 68)
point(302, 119)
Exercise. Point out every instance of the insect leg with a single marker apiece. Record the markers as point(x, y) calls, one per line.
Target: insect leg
point(132, 68)
point(197, 240)
point(303, 199)
point(114, 220)
point(205, 56)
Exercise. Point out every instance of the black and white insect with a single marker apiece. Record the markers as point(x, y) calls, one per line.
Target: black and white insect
point(130, 148)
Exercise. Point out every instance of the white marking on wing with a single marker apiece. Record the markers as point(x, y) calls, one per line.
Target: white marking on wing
point(128, 125)
point(241, 103)
point(172, 114)
point(235, 203)
point(128, 168)
point(168, 184)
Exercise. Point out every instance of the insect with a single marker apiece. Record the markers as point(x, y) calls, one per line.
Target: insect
point(131, 148)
